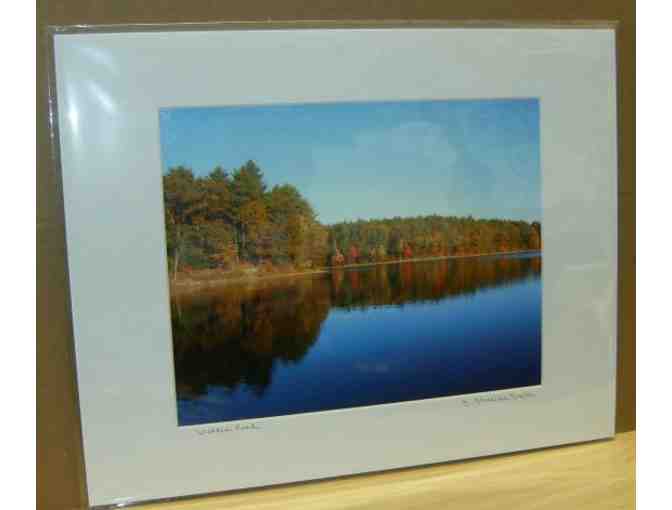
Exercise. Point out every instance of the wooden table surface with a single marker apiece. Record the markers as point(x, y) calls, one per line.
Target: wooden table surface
point(595, 476)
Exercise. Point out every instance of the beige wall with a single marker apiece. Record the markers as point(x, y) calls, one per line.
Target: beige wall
point(59, 472)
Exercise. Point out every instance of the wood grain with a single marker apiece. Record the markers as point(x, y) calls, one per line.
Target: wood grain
point(593, 476)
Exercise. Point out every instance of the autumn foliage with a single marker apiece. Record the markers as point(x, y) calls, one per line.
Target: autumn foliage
point(233, 222)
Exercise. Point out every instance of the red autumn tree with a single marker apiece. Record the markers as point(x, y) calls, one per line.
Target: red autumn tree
point(337, 258)
point(353, 254)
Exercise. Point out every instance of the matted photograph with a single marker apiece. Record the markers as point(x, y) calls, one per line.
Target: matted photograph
point(327, 256)
point(361, 248)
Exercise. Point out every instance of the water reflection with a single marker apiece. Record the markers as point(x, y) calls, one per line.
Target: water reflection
point(237, 337)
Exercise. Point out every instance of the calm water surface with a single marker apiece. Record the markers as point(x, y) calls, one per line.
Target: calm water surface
point(358, 336)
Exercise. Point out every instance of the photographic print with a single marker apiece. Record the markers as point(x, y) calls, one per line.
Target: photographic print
point(319, 235)
point(330, 256)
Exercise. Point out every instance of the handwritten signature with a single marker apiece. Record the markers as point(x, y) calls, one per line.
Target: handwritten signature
point(480, 400)
point(221, 429)
point(476, 401)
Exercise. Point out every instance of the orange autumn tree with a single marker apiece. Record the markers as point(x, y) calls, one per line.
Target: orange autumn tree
point(232, 219)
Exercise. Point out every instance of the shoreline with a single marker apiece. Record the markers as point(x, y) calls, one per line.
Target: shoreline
point(194, 285)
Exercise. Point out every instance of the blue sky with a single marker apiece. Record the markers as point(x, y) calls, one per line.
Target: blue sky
point(375, 159)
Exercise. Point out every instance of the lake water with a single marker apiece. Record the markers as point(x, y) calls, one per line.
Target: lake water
point(358, 336)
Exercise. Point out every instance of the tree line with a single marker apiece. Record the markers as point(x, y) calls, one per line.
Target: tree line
point(233, 220)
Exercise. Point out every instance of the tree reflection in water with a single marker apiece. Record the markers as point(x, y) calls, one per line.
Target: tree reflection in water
point(236, 335)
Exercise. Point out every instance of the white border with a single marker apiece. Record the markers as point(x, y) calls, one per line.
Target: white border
point(110, 87)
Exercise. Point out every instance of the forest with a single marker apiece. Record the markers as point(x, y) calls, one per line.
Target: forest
point(232, 222)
